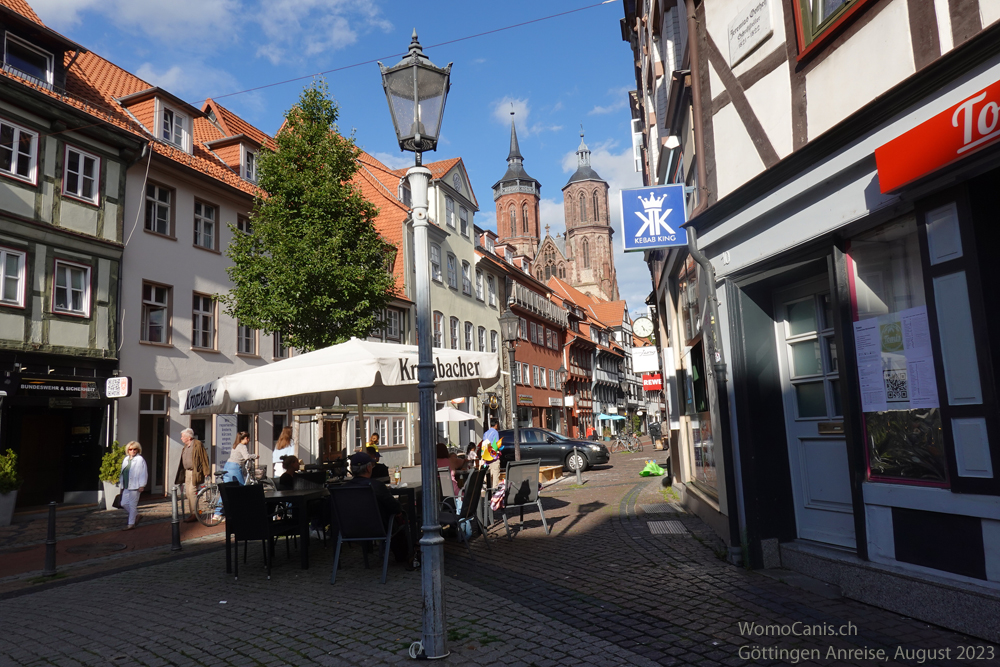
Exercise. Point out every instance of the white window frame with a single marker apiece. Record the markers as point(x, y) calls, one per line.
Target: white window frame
point(85, 297)
point(481, 338)
point(151, 304)
point(438, 320)
point(154, 204)
point(491, 288)
point(49, 68)
point(449, 211)
point(95, 177)
point(398, 432)
point(470, 331)
point(456, 333)
point(243, 224)
point(479, 284)
point(248, 163)
point(22, 262)
point(199, 318)
point(32, 157)
point(393, 324)
point(494, 341)
point(523, 328)
point(552, 379)
point(246, 340)
point(466, 278)
point(181, 122)
point(452, 271)
point(435, 262)
point(203, 219)
point(463, 216)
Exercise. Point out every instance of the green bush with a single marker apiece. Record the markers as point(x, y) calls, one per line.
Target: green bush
point(9, 479)
point(111, 464)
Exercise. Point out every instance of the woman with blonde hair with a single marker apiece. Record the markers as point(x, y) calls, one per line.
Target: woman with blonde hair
point(284, 447)
point(133, 480)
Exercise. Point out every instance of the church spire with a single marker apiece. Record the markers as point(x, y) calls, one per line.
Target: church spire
point(582, 153)
point(515, 150)
point(584, 172)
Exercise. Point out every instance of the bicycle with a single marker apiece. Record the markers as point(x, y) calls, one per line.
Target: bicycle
point(208, 501)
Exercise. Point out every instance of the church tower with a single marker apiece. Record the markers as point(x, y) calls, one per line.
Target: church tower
point(588, 230)
point(516, 196)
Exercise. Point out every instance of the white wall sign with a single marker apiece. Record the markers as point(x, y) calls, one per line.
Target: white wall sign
point(645, 360)
point(118, 387)
point(225, 436)
point(751, 26)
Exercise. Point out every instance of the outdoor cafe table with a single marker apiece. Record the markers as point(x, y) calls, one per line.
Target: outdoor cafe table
point(299, 500)
point(408, 495)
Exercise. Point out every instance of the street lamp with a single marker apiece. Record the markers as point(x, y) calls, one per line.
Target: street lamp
point(509, 325)
point(561, 379)
point(416, 91)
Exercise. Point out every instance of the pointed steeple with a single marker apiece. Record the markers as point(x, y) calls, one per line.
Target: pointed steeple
point(584, 172)
point(515, 150)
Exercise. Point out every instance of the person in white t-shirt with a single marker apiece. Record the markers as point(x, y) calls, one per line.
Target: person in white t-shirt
point(284, 447)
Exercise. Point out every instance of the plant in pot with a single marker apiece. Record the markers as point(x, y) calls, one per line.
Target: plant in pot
point(111, 470)
point(10, 482)
point(607, 433)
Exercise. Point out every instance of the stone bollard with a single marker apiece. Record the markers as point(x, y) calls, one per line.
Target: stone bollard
point(50, 543)
point(175, 522)
point(579, 477)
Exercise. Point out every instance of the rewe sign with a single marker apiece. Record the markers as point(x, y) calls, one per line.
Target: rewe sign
point(968, 126)
point(652, 382)
point(653, 217)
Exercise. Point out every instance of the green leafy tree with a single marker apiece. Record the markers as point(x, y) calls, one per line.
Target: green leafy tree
point(313, 268)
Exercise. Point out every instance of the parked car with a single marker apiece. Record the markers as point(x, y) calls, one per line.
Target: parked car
point(553, 449)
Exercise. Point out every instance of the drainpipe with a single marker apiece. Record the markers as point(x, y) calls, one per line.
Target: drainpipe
point(722, 392)
point(699, 130)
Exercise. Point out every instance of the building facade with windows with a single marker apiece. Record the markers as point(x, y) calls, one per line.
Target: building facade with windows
point(63, 160)
point(845, 215)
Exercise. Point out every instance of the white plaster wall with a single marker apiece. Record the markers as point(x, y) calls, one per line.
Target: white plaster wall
point(714, 83)
point(111, 178)
point(69, 334)
point(771, 100)
point(187, 269)
point(989, 11)
point(736, 158)
point(879, 56)
point(11, 326)
point(78, 217)
point(717, 18)
point(111, 221)
point(17, 200)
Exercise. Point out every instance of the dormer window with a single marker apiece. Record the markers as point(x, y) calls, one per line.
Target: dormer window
point(27, 60)
point(174, 128)
point(489, 243)
point(249, 165)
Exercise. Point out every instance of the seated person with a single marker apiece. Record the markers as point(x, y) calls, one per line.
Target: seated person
point(380, 471)
point(287, 479)
point(446, 459)
point(361, 475)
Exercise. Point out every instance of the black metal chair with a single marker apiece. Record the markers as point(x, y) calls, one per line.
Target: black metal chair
point(470, 503)
point(358, 519)
point(522, 490)
point(447, 490)
point(248, 519)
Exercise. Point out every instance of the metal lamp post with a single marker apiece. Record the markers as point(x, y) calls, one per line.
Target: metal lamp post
point(509, 325)
point(416, 91)
point(561, 375)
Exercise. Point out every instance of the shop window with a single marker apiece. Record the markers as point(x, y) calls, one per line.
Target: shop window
point(687, 287)
point(902, 419)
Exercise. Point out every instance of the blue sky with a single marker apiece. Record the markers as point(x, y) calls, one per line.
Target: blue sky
point(558, 73)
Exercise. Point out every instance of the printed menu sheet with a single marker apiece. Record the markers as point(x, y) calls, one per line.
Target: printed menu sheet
point(896, 362)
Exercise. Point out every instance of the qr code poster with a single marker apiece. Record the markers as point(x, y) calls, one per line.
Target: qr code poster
point(896, 390)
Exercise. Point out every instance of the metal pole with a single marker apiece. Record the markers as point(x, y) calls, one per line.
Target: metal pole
point(175, 521)
point(576, 453)
point(565, 413)
point(50, 543)
point(434, 637)
point(513, 407)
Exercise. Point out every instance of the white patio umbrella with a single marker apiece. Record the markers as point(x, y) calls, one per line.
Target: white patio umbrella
point(450, 414)
point(355, 372)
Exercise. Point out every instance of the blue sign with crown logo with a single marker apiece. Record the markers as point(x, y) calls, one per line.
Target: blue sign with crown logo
point(653, 217)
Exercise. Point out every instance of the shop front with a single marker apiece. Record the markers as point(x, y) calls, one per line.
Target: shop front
point(58, 425)
point(864, 356)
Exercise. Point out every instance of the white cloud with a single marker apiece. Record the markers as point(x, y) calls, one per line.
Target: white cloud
point(619, 97)
point(551, 212)
point(486, 219)
point(189, 21)
point(194, 81)
point(522, 115)
point(395, 161)
point(299, 29)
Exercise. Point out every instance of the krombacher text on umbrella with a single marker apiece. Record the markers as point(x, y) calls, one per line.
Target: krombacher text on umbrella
point(457, 369)
point(200, 397)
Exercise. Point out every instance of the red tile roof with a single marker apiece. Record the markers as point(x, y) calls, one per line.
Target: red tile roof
point(22, 8)
point(379, 185)
point(232, 124)
point(609, 312)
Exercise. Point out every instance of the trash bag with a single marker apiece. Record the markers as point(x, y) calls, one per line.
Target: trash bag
point(651, 469)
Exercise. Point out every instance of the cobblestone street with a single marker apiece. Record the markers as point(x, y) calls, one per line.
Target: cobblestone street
point(626, 578)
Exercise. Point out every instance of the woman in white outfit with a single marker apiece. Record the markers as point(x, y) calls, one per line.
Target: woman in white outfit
point(133, 480)
point(284, 447)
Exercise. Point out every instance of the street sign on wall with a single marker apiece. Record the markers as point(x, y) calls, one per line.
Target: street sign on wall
point(118, 387)
point(653, 217)
point(652, 382)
